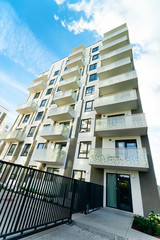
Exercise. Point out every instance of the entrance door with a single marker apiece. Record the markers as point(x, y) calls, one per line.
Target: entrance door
point(119, 192)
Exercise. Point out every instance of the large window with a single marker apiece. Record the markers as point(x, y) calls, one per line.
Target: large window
point(11, 150)
point(49, 91)
point(89, 106)
point(93, 77)
point(56, 73)
point(25, 150)
point(90, 90)
point(85, 125)
point(43, 103)
point(93, 66)
point(95, 49)
point(79, 175)
point(39, 116)
point(36, 95)
point(84, 149)
point(41, 145)
point(51, 82)
point(50, 177)
point(31, 132)
point(95, 57)
point(26, 118)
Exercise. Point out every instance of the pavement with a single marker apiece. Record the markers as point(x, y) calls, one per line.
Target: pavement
point(103, 224)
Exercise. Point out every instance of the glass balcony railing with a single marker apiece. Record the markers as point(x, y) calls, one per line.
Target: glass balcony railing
point(72, 72)
point(38, 86)
point(13, 136)
point(119, 158)
point(59, 132)
point(71, 83)
point(115, 34)
point(63, 98)
point(78, 61)
point(61, 113)
point(27, 107)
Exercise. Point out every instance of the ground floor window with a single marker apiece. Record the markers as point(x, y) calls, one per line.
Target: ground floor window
point(50, 177)
point(79, 175)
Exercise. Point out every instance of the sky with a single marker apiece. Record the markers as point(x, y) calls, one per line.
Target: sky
point(36, 33)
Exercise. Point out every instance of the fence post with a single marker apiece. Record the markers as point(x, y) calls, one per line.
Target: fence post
point(74, 182)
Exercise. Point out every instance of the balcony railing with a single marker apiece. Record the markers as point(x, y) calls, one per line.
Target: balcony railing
point(59, 132)
point(116, 68)
point(42, 77)
point(61, 113)
point(38, 86)
point(63, 98)
point(75, 62)
point(116, 55)
point(71, 83)
point(76, 52)
point(119, 83)
point(72, 72)
point(115, 34)
point(13, 136)
point(119, 158)
point(27, 107)
point(131, 125)
point(49, 156)
point(122, 101)
point(118, 43)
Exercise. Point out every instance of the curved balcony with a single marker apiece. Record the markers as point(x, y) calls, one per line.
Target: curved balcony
point(27, 107)
point(71, 83)
point(56, 133)
point(119, 158)
point(13, 136)
point(131, 125)
point(122, 101)
point(49, 156)
point(63, 98)
point(38, 86)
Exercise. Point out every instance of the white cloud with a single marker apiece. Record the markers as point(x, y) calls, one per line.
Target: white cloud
point(59, 1)
point(56, 17)
point(63, 23)
point(142, 18)
point(19, 44)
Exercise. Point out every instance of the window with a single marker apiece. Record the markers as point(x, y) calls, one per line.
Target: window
point(95, 49)
point(36, 95)
point(56, 73)
point(61, 79)
point(31, 131)
point(1, 167)
point(58, 89)
point(85, 125)
point(49, 91)
point(11, 150)
point(90, 90)
point(84, 149)
point(89, 106)
point(25, 149)
point(52, 102)
point(26, 118)
point(41, 145)
point(65, 69)
point(39, 116)
point(46, 125)
point(51, 82)
point(79, 175)
point(95, 57)
point(14, 173)
point(50, 177)
point(43, 103)
point(93, 66)
point(93, 77)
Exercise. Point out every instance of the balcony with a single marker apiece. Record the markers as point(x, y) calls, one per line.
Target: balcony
point(49, 156)
point(37, 87)
point(119, 83)
point(119, 158)
point(131, 125)
point(117, 55)
point(115, 34)
point(13, 136)
point(27, 107)
point(45, 78)
point(71, 83)
point(75, 62)
point(55, 133)
point(122, 101)
point(61, 113)
point(63, 98)
point(72, 72)
point(112, 46)
point(77, 52)
point(116, 68)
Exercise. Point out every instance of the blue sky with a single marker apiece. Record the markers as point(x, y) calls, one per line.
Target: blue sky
point(36, 33)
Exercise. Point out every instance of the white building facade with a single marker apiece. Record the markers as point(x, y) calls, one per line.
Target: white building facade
point(83, 119)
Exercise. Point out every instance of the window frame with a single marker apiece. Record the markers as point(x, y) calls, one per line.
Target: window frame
point(91, 108)
point(24, 119)
point(35, 96)
point(95, 49)
point(96, 56)
point(56, 72)
point(30, 133)
point(93, 66)
point(51, 82)
point(81, 173)
point(86, 129)
point(37, 117)
point(25, 150)
point(41, 144)
point(44, 100)
point(87, 150)
point(11, 151)
point(92, 75)
point(91, 92)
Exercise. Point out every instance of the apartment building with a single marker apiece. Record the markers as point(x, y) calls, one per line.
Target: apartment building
point(83, 118)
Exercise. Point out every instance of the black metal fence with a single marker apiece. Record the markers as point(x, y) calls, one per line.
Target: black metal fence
point(33, 200)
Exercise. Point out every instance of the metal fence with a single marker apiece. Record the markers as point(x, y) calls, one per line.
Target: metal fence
point(33, 200)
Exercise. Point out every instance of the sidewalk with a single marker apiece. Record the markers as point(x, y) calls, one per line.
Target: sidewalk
point(103, 224)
